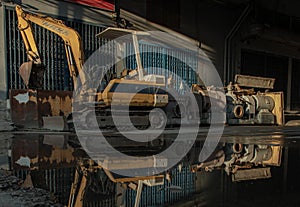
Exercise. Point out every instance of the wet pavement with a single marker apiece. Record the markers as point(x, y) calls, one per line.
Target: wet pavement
point(51, 158)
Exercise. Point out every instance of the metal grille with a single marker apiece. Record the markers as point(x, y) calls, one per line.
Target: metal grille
point(164, 61)
point(162, 195)
point(51, 48)
point(104, 203)
point(21, 174)
point(59, 181)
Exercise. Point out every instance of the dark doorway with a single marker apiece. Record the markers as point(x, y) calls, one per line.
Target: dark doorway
point(266, 65)
point(295, 96)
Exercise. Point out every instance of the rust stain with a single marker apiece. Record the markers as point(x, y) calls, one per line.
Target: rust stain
point(30, 106)
point(60, 156)
point(58, 105)
point(24, 113)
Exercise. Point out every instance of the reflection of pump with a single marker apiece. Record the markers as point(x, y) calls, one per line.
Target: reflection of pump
point(244, 161)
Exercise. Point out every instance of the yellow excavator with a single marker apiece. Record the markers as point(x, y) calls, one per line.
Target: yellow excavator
point(130, 89)
point(32, 71)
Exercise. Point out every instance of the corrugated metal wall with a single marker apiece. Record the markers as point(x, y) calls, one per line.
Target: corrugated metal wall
point(104, 203)
point(59, 182)
point(56, 180)
point(51, 49)
point(158, 196)
point(156, 58)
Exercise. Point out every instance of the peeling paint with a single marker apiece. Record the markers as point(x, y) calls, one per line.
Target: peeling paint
point(22, 98)
point(23, 161)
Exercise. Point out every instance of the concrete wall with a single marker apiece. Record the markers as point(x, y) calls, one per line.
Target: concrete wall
point(205, 21)
point(138, 7)
point(69, 10)
point(209, 23)
point(3, 86)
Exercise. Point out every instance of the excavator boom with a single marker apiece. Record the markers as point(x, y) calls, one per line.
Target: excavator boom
point(71, 38)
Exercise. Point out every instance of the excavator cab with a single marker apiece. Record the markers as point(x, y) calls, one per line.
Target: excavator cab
point(121, 36)
point(136, 88)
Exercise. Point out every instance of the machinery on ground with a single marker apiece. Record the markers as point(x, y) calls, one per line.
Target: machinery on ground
point(141, 102)
point(142, 93)
point(247, 105)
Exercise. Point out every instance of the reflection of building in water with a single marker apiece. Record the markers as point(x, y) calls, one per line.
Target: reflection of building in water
point(49, 159)
point(52, 162)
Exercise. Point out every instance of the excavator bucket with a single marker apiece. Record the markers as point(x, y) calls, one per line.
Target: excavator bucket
point(32, 74)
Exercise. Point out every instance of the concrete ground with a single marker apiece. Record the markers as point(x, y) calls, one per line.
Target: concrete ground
point(5, 121)
point(14, 193)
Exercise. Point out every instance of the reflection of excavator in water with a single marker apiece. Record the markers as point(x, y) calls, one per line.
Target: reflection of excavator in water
point(243, 162)
point(142, 92)
point(90, 176)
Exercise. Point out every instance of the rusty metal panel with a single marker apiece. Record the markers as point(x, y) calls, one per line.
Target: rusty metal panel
point(28, 107)
point(59, 181)
point(254, 81)
point(278, 110)
point(56, 123)
point(24, 108)
point(54, 103)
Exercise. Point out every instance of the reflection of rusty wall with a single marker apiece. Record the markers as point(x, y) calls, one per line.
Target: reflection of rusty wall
point(51, 162)
point(25, 147)
point(42, 152)
point(29, 106)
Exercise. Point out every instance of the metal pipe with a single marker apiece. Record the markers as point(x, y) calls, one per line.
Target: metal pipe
point(228, 38)
point(138, 57)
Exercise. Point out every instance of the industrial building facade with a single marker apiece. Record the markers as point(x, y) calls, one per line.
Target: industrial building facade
point(52, 50)
point(244, 39)
point(238, 36)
